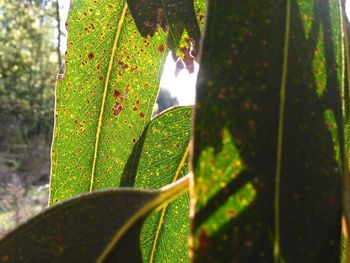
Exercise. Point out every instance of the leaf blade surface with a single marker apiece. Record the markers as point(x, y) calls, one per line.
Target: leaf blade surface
point(68, 231)
point(164, 159)
point(105, 99)
point(236, 133)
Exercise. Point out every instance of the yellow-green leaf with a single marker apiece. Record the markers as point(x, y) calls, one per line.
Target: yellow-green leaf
point(164, 159)
point(105, 98)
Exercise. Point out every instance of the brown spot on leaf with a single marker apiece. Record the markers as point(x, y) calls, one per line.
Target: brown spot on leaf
point(332, 202)
point(161, 48)
point(5, 258)
point(231, 213)
point(123, 65)
point(142, 115)
point(116, 94)
point(91, 55)
point(59, 237)
point(203, 240)
point(117, 109)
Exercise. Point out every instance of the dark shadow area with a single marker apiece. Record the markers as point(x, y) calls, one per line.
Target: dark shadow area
point(238, 88)
point(129, 242)
point(130, 170)
point(174, 17)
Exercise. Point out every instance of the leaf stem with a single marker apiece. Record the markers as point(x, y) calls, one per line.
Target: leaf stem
point(167, 194)
point(161, 219)
point(276, 245)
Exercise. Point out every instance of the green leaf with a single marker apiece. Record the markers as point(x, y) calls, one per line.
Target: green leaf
point(268, 139)
point(346, 180)
point(99, 227)
point(177, 16)
point(105, 99)
point(164, 159)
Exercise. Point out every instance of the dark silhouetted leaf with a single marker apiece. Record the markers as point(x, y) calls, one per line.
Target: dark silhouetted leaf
point(173, 15)
point(179, 19)
point(268, 139)
point(346, 95)
point(103, 227)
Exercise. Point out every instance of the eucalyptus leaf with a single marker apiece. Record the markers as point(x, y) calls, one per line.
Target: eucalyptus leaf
point(173, 15)
point(163, 160)
point(268, 140)
point(105, 98)
point(346, 181)
point(100, 227)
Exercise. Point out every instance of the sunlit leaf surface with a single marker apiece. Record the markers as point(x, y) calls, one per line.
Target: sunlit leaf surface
point(105, 99)
point(164, 160)
point(268, 145)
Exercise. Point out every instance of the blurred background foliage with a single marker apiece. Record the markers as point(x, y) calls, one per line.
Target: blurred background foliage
point(29, 61)
point(28, 56)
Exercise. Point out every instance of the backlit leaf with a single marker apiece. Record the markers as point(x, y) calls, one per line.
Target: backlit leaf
point(105, 99)
point(164, 160)
point(346, 96)
point(268, 140)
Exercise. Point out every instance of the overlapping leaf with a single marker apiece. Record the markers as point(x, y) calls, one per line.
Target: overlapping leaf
point(268, 146)
point(346, 189)
point(175, 16)
point(105, 99)
point(164, 160)
point(100, 227)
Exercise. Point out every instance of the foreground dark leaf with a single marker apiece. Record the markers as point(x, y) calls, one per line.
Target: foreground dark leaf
point(103, 226)
point(268, 140)
point(346, 181)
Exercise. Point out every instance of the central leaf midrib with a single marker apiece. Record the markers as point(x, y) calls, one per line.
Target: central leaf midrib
point(162, 215)
point(99, 125)
point(277, 251)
